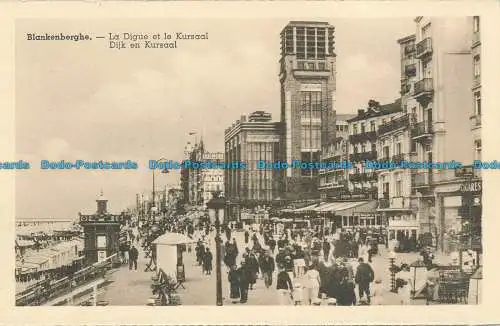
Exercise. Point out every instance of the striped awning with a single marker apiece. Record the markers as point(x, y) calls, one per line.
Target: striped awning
point(347, 208)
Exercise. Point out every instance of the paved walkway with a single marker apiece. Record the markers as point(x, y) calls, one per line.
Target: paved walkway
point(129, 287)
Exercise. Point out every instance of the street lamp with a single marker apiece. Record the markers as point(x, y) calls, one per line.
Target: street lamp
point(216, 207)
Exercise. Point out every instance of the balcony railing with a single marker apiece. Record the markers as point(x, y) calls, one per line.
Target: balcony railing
point(476, 38)
point(409, 49)
point(399, 157)
point(424, 47)
point(395, 124)
point(476, 81)
point(358, 177)
point(475, 121)
point(359, 157)
point(423, 88)
point(421, 129)
point(421, 179)
point(396, 203)
point(362, 137)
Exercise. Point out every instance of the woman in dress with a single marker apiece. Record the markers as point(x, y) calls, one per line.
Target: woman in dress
point(234, 284)
point(313, 283)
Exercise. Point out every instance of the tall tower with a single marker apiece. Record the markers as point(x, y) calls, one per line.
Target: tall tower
point(308, 85)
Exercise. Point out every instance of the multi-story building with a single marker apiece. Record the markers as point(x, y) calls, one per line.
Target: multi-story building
point(472, 199)
point(212, 180)
point(441, 124)
point(363, 146)
point(308, 85)
point(394, 186)
point(476, 87)
point(333, 182)
point(198, 184)
point(252, 139)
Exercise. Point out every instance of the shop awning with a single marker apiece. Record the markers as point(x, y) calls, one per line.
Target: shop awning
point(306, 209)
point(347, 208)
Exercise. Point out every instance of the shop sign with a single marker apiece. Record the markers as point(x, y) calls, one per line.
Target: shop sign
point(475, 186)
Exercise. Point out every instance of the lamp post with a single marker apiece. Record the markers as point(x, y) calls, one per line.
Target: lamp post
point(216, 207)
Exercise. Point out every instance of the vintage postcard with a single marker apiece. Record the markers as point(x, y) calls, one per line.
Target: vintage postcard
point(317, 163)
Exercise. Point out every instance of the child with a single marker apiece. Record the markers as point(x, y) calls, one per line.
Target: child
point(377, 298)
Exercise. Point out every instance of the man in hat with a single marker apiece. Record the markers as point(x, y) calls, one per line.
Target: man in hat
point(364, 276)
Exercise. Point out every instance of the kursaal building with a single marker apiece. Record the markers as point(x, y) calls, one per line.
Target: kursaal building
point(308, 85)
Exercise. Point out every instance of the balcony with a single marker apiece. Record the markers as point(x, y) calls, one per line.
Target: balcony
point(396, 203)
point(409, 49)
point(476, 39)
point(421, 129)
point(475, 121)
point(421, 179)
point(399, 157)
point(360, 177)
point(424, 48)
point(401, 122)
point(360, 157)
point(405, 88)
point(423, 90)
point(476, 82)
point(363, 137)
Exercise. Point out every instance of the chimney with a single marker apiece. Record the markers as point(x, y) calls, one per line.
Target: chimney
point(243, 118)
point(361, 112)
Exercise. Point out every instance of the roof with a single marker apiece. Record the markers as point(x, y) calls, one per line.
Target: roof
point(171, 238)
point(344, 116)
point(379, 111)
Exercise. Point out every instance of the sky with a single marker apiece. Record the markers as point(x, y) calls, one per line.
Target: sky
point(83, 100)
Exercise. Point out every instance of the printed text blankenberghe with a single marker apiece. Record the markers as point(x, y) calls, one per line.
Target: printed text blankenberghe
point(58, 37)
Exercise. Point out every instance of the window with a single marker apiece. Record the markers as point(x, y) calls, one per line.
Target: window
point(337, 127)
point(355, 129)
point(372, 126)
point(398, 148)
point(385, 190)
point(363, 148)
point(477, 153)
point(386, 152)
point(374, 147)
point(300, 65)
point(321, 66)
point(363, 128)
point(398, 189)
point(477, 103)
point(476, 24)
point(477, 66)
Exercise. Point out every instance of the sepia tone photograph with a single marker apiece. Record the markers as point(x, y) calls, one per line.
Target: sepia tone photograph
point(256, 162)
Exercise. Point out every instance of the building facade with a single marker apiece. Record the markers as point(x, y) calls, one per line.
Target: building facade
point(396, 203)
point(440, 124)
point(333, 182)
point(212, 180)
point(308, 85)
point(252, 139)
point(363, 146)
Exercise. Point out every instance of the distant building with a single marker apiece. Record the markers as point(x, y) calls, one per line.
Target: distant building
point(363, 147)
point(251, 139)
point(212, 180)
point(333, 182)
point(308, 86)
